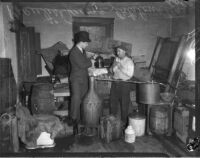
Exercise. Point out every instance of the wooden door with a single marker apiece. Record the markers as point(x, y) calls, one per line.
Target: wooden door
point(28, 60)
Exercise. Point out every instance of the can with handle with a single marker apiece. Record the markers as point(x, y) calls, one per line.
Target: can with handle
point(137, 121)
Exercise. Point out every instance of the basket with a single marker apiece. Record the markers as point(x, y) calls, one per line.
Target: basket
point(167, 96)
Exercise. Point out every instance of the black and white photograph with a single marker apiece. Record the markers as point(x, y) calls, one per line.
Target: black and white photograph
point(104, 78)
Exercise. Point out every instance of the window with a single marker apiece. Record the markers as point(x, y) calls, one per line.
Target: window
point(98, 28)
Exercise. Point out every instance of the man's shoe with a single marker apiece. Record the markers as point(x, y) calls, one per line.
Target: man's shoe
point(75, 129)
point(71, 122)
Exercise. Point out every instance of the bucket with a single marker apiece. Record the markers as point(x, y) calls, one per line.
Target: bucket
point(42, 99)
point(137, 121)
point(159, 120)
point(148, 93)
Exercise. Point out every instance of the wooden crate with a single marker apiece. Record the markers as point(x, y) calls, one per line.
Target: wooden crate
point(181, 122)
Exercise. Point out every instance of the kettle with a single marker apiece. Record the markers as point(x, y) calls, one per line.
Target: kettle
point(99, 62)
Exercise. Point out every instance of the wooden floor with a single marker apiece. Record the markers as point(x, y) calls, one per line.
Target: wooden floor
point(84, 146)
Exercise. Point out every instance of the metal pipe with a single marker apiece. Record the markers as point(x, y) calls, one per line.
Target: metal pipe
point(128, 81)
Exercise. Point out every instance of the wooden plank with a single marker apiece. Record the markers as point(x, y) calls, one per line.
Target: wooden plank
point(38, 63)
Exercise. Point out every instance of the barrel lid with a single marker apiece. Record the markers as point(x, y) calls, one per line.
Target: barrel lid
point(136, 115)
point(159, 108)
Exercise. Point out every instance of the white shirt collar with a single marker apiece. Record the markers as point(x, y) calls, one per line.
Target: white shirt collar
point(80, 48)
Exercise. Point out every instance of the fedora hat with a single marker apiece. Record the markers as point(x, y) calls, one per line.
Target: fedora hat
point(121, 47)
point(81, 36)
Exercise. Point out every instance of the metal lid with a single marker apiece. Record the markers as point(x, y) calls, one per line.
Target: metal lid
point(136, 115)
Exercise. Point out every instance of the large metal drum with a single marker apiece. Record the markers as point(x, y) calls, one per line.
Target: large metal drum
point(42, 98)
point(92, 106)
point(148, 93)
point(159, 120)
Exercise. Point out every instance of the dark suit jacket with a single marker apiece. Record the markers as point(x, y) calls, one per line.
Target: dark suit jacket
point(79, 64)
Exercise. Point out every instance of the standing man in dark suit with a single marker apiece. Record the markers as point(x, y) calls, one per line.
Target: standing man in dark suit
point(79, 74)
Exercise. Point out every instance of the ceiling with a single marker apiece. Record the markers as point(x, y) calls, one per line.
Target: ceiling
point(64, 4)
point(175, 8)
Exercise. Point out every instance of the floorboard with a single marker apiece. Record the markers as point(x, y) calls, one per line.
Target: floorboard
point(85, 146)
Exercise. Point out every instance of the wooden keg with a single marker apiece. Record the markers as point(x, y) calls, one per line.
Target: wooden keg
point(8, 88)
point(159, 120)
point(42, 99)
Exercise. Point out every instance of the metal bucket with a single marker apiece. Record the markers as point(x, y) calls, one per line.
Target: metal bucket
point(148, 93)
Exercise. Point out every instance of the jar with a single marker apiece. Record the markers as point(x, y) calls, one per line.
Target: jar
point(129, 134)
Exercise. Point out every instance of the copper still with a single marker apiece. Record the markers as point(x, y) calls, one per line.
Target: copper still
point(92, 106)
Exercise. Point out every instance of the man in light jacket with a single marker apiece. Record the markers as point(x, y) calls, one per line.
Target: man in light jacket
point(122, 69)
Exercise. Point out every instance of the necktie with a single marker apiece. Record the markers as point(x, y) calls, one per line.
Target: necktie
point(84, 52)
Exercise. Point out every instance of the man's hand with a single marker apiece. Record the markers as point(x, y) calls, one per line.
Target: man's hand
point(95, 56)
point(91, 55)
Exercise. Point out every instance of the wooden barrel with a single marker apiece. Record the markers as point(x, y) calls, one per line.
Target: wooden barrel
point(159, 120)
point(42, 98)
point(8, 88)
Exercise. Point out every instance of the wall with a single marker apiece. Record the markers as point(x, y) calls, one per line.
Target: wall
point(8, 39)
point(185, 25)
point(2, 44)
point(140, 32)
